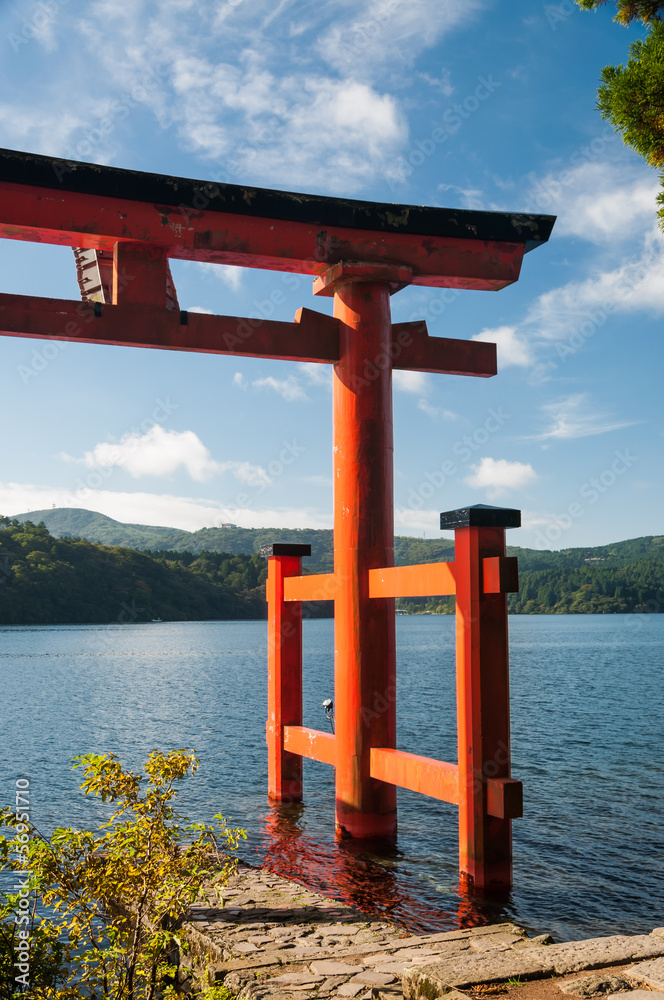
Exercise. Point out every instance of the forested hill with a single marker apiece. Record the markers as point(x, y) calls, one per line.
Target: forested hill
point(71, 522)
point(70, 579)
point(45, 580)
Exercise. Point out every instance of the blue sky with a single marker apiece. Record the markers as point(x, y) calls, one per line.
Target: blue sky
point(343, 98)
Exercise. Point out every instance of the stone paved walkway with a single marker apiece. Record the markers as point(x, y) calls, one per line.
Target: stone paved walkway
point(271, 939)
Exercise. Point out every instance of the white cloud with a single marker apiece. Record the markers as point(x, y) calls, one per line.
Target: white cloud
point(574, 418)
point(252, 475)
point(599, 202)
point(239, 84)
point(436, 412)
point(188, 513)
point(289, 388)
point(637, 284)
point(407, 381)
point(415, 522)
point(442, 83)
point(227, 274)
point(470, 198)
point(233, 98)
point(315, 373)
point(379, 32)
point(158, 452)
point(37, 128)
point(511, 349)
point(499, 476)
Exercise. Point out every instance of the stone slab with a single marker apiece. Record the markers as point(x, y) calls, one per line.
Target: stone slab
point(328, 967)
point(331, 983)
point(373, 978)
point(574, 956)
point(393, 968)
point(436, 979)
point(440, 949)
point(295, 979)
point(651, 973)
point(490, 942)
point(596, 986)
point(259, 991)
point(632, 995)
point(220, 970)
point(403, 954)
point(350, 989)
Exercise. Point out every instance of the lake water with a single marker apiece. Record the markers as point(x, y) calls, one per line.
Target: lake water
point(587, 727)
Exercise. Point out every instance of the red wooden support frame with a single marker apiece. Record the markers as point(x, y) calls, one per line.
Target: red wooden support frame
point(483, 709)
point(284, 672)
point(360, 253)
point(480, 784)
point(365, 637)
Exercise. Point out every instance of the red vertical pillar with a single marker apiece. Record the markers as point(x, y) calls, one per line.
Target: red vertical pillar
point(140, 274)
point(284, 671)
point(483, 712)
point(365, 643)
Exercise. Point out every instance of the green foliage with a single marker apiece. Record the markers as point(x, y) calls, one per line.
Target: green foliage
point(629, 10)
point(609, 579)
point(46, 580)
point(111, 902)
point(49, 580)
point(631, 97)
point(71, 522)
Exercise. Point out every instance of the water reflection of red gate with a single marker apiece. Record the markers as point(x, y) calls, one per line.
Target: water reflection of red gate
point(360, 254)
point(370, 877)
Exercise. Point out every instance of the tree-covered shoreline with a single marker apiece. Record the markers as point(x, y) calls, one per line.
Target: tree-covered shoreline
point(45, 580)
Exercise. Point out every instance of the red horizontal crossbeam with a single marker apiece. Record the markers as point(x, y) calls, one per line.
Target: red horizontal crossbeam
point(441, 781)
point(412, 581)
point(419, 774)
point(310, 743)
point(422, 580)
point(314, 587)
point(313, 336)
point(442, 355)
point(408, 770)
point(78, 219)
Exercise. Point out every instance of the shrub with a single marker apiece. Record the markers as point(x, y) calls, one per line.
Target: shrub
point(96, 914)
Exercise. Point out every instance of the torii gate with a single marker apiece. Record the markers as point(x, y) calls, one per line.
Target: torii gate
point(125, 225)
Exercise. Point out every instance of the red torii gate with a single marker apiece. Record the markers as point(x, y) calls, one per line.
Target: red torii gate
point(125, 226)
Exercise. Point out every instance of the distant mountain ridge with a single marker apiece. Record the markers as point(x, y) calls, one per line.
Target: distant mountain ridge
point(74, 522)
